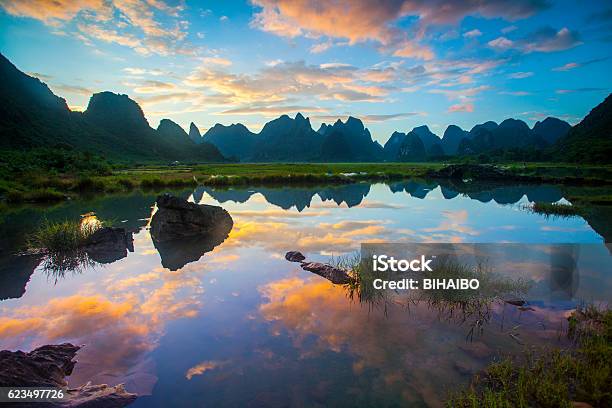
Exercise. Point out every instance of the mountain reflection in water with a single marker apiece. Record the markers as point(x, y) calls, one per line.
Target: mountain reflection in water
point(240, 325)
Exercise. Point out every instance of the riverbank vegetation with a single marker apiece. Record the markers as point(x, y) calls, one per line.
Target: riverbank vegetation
point(580, 375)
point(555, 209)
point(51, 175)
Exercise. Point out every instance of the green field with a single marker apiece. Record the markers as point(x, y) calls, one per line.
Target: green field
point(62, 177)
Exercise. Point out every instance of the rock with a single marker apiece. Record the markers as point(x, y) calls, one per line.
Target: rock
point(101, 396)
point(177, 218)
point(109, 244)
point(44, 367)
point(47, 366)
point(334, 275)
point(294, 256)
point(182, 231)
point(515, 302)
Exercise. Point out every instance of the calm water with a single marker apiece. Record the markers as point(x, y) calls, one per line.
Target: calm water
point(244, 327)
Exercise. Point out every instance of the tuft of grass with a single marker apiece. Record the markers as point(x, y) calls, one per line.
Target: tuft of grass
point(61, 237)
point(63, 244)
point(555, 209)
point(555, 378)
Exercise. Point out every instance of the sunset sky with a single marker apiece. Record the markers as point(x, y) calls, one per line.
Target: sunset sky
point(395, 64)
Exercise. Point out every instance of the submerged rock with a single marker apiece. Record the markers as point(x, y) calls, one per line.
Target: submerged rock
point(47, 366)
point(334, 275)
point(515, 302)
point(294, 256)
point(109, 244)
point(182, 231)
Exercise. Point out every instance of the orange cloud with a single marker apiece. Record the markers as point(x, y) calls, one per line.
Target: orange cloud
point(108, 20)
point(406, 349)
point(375, 20)
point(202, 367)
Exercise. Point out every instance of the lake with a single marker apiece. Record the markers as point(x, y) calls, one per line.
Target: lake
point(242, 326)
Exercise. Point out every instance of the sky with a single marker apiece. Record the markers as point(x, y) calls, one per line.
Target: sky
point(395, 64)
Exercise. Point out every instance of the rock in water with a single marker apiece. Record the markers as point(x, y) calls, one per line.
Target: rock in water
point(182, 231)
point(47, 366)
point(44, 367)
point(334, 275)
point(294, 256)
point(177, 218)
point(109, 244)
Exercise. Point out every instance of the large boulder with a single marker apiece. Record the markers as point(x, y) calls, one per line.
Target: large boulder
point(177, 218)
point(182, 231)
point(47, 366)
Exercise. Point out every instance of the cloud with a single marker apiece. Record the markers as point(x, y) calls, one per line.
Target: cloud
point(377, 21)
point(520, 75)
point(127, 23)
point(153, 86)
point(217, 61)
point(509, 29)
point(409, 49)
point(461, 107)
point(501, 43)
point(271, 110)
point(54, 12)
point(573, 65)
point(546, 39)
point(472, 33)
point(454, 221)
point(368, 118)
point(567, 67)
point(284, 81)
point(73, 89)
point(321, 47)
point(142, 71)
point(577, 90)
point(515, 93)
point(203, 367)
point(461, 93)
point(549, 40)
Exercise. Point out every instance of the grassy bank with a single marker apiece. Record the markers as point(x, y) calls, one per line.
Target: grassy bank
point(44, 187)
point(577, 376)
point(57, 184)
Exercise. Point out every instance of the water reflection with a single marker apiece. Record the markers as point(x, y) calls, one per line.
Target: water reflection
point(240, 325)
point(353, 194)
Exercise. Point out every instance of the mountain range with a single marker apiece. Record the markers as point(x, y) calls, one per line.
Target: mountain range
point(112, 125)
point(115, 126)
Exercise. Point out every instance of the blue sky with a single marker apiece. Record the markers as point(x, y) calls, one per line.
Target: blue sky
point(395, 64)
